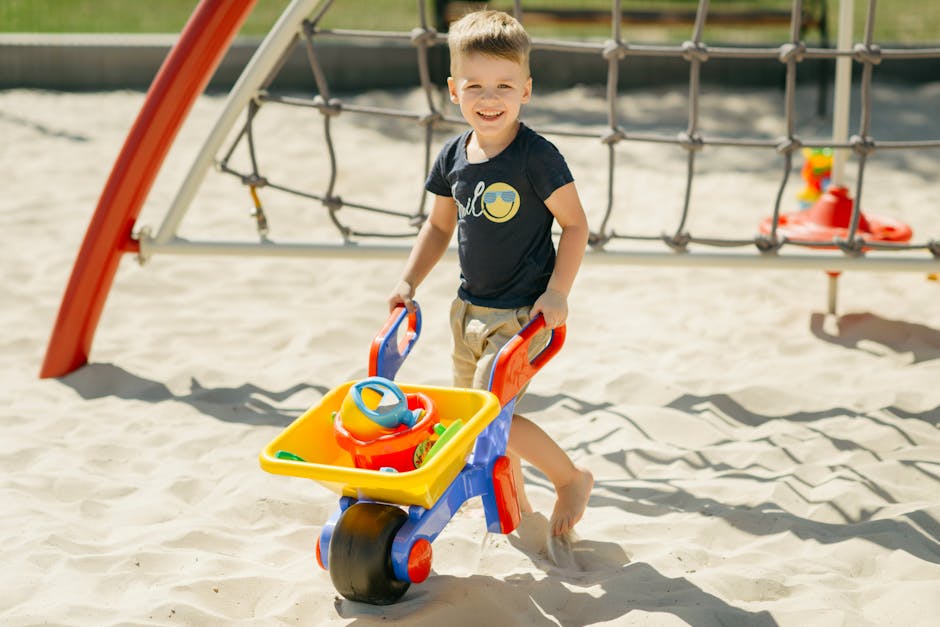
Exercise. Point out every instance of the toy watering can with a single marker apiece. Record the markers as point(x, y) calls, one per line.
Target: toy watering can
point(376, 406)
point(383, 428)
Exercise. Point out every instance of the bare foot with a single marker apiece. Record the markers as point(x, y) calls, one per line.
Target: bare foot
point(571, 501)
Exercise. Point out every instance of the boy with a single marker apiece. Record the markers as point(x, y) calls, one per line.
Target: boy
point(501, 186)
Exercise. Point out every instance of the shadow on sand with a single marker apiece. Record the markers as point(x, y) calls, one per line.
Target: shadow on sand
point(247, 403)
point(871, 334)
point(626, 586)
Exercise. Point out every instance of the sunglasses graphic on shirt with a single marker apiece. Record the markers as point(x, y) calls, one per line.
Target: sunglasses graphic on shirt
point(507, 196)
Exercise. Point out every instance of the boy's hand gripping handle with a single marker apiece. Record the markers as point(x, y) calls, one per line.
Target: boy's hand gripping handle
point(513, 368)
point(387, 353)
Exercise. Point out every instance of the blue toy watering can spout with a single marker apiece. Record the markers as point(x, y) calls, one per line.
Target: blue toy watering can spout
point(392, 410)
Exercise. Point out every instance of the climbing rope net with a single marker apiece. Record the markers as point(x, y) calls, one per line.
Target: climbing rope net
point(431, 119)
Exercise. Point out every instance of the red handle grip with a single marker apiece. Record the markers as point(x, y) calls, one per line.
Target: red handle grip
point(513, 368)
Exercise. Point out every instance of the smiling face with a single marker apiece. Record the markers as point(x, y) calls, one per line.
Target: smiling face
point(490, 91)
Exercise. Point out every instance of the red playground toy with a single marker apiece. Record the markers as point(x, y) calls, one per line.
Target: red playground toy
point(826, 211)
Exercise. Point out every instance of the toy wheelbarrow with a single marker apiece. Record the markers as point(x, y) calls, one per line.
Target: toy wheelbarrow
point(378, 542)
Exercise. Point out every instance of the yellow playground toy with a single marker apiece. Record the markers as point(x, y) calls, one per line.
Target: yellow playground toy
point(404, 458)
point(816, 174)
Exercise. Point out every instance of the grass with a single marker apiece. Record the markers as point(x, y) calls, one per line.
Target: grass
point(169, 16)
point(906, 22)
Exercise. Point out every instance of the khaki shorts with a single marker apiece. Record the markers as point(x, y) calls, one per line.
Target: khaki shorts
point(479, 332)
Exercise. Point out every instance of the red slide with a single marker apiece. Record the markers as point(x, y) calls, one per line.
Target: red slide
point(180, 80)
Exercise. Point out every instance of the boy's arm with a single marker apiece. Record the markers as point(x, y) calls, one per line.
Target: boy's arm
point(565, 205)
point(430, 246)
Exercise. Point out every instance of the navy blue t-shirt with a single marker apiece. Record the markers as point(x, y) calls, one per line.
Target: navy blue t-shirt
point(504, 237)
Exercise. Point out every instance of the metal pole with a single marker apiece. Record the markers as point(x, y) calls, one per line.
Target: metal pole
point(843, 93)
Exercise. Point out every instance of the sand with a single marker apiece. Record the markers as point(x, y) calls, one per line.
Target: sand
point(757, 461)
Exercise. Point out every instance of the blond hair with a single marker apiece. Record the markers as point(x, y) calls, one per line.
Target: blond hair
point(492, 33)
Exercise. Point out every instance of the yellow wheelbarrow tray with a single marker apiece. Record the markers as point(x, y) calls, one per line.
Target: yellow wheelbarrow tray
point(311, 437)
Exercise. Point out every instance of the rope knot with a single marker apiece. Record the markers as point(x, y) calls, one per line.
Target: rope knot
point(852, 248)
point(934, 247)
point(869, 53)
point(254, 180)
point(309, 28)
point(786, 145)
point(331, 107)
point(766, 245)
point(692, 143)
point(597, 240)
point(862, 146)
point(792, 52)
point(614, 50)
point(694, 50)
point(333, 203)
point(678, 242)
point(614, 136)
point(430, 118)
point(423, 36)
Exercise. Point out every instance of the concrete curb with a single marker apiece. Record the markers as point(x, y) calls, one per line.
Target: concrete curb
point(78, 62)
point(106, 62)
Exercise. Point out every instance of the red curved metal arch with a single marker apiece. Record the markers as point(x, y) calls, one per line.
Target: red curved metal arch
point(181, 79)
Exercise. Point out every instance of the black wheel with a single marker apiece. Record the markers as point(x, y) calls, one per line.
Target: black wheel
point(360, 555)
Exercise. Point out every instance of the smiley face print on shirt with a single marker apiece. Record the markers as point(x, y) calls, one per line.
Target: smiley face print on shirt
point(500, 202)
